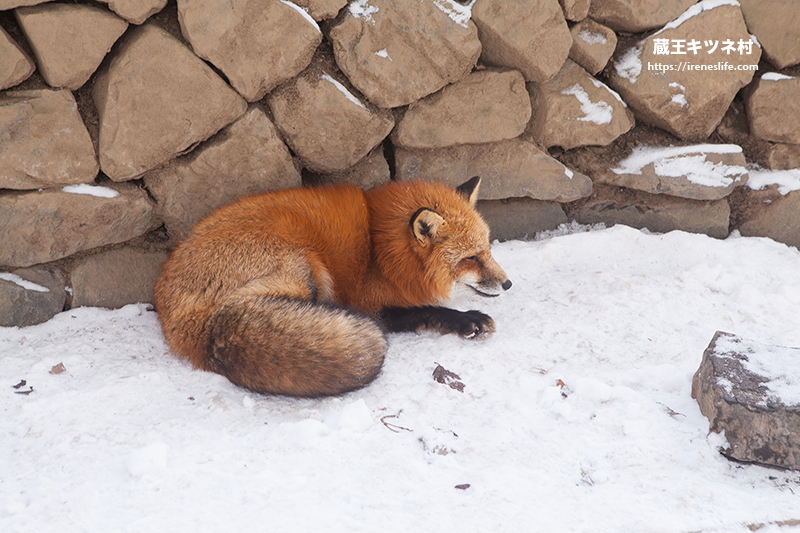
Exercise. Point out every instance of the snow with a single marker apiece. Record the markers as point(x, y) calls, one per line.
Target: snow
point(680, 97)
point(91, 190)
point(776, 76)
point(576, 415)
point(778, 364)
point(591, 37)
point(568, 173)
point(344, 91)
point(458, 13)
point(362, 9)
point(677, 161)
point(599, 112)
point(149, 460)
point(384, 54)
point(629, 65)
point(786, 180)
point(22, 282)
point(303, 12)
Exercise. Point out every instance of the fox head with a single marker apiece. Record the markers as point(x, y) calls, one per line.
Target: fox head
point(458, 238)
point(428, 238)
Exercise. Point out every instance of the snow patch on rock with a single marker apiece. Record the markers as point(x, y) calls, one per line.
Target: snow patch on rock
point(689, 161)
point(91, 190)
point(22, 282)
point(598, 112)
point(344, 91)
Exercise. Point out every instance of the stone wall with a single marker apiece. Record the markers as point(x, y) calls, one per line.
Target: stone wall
point(123, 123)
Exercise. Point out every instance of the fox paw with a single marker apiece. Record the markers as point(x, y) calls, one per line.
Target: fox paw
point(473, 325)
point(467, 324)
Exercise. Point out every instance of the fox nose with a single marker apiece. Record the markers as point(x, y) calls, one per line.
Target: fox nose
point(507, 284)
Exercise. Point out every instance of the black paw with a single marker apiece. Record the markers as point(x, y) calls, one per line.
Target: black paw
point(467, 324)
point(472, 324)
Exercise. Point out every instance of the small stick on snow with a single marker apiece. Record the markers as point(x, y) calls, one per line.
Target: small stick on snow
point(394, 427)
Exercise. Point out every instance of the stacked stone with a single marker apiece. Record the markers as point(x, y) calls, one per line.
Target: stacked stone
point(122, 126)
point(687, 106)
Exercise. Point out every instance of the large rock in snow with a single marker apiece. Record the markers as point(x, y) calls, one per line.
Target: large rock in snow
point(671, 91)
point(398, 51)
point(750, 391)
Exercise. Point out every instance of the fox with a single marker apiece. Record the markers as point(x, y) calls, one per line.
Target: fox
point(292, 292)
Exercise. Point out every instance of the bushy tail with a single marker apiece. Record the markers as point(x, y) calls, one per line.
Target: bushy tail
point(294, 347)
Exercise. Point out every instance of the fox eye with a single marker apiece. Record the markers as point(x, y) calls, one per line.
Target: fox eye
point(473, 258)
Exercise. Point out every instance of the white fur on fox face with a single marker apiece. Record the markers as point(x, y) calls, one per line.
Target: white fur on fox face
point(472, 281)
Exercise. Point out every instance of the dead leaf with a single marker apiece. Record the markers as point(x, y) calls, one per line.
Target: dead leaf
point(57, 369)
point(565, 392)
point(444, 376)
point(25, 392)
point(463, 486)
point(20, 384)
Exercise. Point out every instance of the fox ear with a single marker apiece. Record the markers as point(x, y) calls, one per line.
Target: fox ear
point(425, 224)
point(470, 189)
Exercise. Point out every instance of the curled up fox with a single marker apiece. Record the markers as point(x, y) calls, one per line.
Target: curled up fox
point(291, 292)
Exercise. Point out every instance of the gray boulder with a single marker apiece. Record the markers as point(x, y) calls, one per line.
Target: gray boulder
point(749, 390)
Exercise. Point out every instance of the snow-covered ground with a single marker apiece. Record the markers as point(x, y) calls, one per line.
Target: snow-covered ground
point(575, 416)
